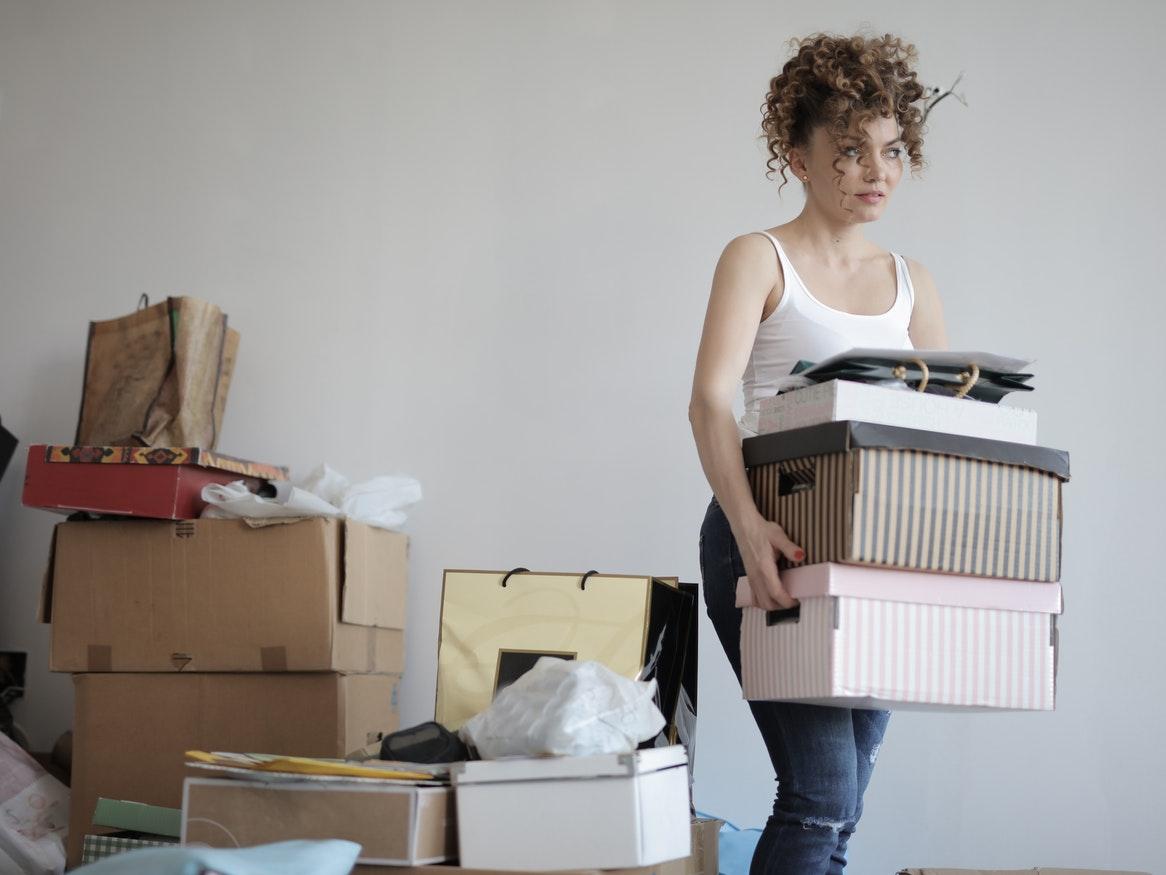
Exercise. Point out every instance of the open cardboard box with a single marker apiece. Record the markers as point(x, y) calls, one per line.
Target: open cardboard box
point(219, 595)
point(131, 731)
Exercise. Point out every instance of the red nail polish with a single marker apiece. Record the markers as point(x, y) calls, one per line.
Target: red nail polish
point(800, 555)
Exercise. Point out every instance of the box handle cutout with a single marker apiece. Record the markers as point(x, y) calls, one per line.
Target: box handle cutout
point(786, 615)
point(793, 482)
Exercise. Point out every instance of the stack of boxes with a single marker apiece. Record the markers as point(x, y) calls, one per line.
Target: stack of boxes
point(186, 633)
point(932, 552)
point(627, 811)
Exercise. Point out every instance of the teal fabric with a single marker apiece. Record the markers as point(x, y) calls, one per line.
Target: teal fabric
point(282, 858)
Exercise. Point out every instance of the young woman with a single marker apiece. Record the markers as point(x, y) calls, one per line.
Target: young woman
point(842, 117)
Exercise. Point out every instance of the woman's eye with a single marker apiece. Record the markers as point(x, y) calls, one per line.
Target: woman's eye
point(895, 152)
point(851, 152)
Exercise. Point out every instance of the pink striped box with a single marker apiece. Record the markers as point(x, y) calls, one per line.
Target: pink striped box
point(885, 638)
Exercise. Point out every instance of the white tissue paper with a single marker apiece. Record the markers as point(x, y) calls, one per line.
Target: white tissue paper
point(381, 502)
point(566, 708)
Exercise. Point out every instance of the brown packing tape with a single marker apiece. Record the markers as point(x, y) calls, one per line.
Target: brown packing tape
point(99, 657)
point(273, 658)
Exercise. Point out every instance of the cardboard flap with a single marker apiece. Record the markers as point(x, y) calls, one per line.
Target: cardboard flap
point(375, 576)
point(839, 437)
point(44, 611)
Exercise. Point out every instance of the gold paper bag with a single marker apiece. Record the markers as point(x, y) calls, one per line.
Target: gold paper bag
point(495, 626)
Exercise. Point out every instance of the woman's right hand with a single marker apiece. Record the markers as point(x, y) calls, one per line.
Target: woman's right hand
point(760, 545)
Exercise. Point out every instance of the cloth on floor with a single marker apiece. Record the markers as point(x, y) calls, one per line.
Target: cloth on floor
point(333, 857)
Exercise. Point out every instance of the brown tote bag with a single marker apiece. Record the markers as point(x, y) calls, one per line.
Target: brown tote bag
point(158, 377)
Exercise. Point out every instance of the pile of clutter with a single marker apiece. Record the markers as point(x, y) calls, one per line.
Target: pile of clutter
point(209, 608)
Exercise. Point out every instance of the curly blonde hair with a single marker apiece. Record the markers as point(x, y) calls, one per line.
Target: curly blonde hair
point(838, 82)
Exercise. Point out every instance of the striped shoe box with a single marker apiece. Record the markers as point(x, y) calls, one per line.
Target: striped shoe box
point(879, 638)
point(903, 498)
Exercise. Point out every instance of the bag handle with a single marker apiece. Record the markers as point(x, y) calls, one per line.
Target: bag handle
point(900, 373)
point(520, 570)
point(968, 379)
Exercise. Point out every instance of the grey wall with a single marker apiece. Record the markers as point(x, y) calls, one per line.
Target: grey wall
point(473, 242)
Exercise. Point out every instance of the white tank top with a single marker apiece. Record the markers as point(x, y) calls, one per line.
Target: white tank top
point(802, 327)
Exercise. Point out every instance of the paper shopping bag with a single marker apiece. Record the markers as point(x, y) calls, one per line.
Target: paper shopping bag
point(496, 625)
point(158, 377)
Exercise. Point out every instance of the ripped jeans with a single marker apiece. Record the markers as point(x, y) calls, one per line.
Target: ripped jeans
point(822, 757)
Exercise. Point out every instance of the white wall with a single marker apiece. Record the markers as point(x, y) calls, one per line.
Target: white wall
point(473, 242)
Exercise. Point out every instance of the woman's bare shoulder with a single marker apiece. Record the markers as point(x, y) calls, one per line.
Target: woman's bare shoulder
point(920, 275)
point(749, 261)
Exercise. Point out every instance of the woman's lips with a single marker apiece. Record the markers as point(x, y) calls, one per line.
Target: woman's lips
point(871, 198)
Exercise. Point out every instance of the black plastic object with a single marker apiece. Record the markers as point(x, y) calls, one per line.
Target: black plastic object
point(7, 447)
point(425, 743)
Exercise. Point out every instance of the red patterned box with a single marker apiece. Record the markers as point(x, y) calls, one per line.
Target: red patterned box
point(156, 482)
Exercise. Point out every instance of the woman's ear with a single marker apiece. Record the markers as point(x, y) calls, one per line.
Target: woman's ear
point(797, 162)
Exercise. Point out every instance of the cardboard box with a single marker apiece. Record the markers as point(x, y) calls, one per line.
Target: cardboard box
point(671, 867)
point(1041, 870)
point(838, 400)
point(496, 625)
point(395, 824)
point(611, 811)
point(880, 638)
point(703, 860)
point(131, 731)
point(879, 495)
point(218, 595)
point(157, 482)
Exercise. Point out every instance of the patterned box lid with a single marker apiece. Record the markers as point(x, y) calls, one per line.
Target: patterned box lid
point(163, 456)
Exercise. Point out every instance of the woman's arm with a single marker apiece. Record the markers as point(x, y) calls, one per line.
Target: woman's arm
point(926, 329)
point(744, 277)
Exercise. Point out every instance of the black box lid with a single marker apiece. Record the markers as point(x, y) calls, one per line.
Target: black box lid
point(837, 437)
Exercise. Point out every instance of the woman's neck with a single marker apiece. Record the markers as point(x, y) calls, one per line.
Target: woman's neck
point(832, 243)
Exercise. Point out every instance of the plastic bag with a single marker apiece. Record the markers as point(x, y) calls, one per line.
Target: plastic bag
point(566, 708)
point(34, 814)
point(380, 502)
point(232, 500)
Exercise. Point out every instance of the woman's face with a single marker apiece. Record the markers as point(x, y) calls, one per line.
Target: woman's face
point(871, 163)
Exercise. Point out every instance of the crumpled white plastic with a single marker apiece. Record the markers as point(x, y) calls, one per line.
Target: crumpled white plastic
point(381, 501)
point(566, 708)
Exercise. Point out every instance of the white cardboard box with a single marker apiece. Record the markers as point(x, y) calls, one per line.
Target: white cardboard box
point(394, 823)
point(838, 400)
point(886, 638)
point(611, 811)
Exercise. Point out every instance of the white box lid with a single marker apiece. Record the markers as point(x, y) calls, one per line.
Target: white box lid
point(558, 768)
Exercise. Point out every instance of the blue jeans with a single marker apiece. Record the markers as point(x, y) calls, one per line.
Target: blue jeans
point(822, 757)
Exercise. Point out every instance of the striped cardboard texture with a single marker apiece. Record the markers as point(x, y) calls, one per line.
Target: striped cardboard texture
point(913, 509)
point(844, 649)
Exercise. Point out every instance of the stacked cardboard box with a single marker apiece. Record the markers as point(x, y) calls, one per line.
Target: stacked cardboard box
point(211, 634)
point(932, 558)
